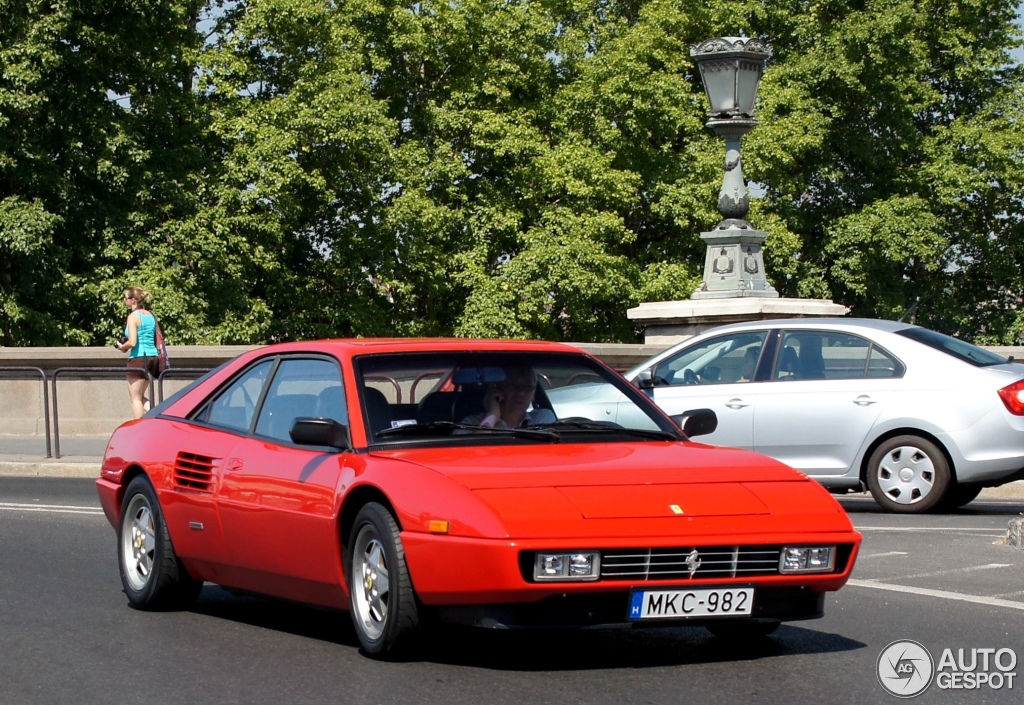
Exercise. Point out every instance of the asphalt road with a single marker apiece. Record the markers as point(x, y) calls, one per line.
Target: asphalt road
point(67, 634)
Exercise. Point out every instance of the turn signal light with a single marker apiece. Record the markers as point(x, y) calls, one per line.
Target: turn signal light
point(1013, 397)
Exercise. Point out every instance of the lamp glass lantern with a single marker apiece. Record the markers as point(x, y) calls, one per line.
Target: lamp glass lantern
point(731, 69)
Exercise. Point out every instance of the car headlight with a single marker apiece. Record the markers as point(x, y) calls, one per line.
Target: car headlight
point(574, 565)
point(807, 559)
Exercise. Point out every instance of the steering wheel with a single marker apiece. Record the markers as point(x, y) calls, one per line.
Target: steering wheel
point(689, 376)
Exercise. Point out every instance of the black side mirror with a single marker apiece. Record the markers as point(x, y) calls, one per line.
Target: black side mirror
point(697, 422)
point(308, 431)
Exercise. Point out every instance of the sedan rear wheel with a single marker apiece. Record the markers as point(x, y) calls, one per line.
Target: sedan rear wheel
point(151, 574)
point(908, 474)
point(383, 605)
point(959, 495)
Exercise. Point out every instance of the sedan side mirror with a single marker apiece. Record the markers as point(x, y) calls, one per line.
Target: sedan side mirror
point(697, 422)
point(644, 379)
point(308, 431)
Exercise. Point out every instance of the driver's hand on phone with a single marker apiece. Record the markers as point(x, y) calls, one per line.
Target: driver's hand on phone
point(493, 399)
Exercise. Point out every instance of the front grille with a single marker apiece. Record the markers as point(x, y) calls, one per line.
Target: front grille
point(687, 562)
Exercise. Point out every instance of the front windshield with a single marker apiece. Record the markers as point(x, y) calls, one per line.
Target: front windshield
point(497, 397)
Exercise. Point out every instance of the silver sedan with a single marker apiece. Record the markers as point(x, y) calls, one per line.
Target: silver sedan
point(922, 420)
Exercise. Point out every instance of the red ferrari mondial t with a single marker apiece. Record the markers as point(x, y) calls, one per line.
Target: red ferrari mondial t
point(472, 481)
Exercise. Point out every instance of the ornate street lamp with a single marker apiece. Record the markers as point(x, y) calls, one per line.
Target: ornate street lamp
point(731, 69)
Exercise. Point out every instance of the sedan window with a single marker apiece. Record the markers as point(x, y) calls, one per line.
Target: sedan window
point(818, 354)
point(722, 360)
point(971, 354)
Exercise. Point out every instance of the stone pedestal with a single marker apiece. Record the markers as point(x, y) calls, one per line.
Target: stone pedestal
point(734, 265)
point(669, 322)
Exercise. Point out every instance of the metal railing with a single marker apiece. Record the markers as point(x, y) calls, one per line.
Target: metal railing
point(193, 372)
point(46, 399)
point(156, 390)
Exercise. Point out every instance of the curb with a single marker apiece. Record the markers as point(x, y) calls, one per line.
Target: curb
point(50, 468)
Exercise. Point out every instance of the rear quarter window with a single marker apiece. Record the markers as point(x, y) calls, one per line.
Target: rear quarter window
point(967, 352)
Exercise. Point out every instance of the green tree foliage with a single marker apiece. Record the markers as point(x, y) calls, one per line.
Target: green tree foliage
point(907, 184)
point(276, 169)
point(97, 126)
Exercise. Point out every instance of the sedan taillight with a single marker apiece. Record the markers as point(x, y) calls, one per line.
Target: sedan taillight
point(1013, 397)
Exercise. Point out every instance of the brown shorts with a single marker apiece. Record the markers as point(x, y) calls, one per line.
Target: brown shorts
point(150, 363)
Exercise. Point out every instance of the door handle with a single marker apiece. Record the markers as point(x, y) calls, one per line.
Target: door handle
point(736, 404)
point(864, 400)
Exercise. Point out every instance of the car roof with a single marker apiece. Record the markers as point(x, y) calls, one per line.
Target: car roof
point(355, 346)
point(836, 323)
point(844, 322)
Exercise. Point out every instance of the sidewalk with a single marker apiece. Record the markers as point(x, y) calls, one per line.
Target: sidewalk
point(81, 456)
point(25, 456)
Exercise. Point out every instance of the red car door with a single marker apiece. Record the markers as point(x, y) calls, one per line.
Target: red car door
point(277, 501)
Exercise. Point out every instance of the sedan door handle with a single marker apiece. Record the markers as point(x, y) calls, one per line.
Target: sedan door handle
point(864, 400)
point(736, 404)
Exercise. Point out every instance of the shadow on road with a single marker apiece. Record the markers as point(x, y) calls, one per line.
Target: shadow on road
point(980, 507)
point(532, 650)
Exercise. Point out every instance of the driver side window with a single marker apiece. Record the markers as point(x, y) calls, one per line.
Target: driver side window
point(725, 359)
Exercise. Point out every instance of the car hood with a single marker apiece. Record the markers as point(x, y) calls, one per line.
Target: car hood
point(611, 485)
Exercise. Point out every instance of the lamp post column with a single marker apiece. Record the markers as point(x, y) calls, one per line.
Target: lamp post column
point(731, 69)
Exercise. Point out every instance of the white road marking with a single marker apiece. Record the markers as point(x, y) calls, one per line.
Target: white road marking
point(944, 594)
point(881, 555)
point(50, 508)
point(1017, 593)
point(954, 529)
point(969, 569)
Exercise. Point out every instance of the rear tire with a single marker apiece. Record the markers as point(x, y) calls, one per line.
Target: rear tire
point(151, 574)
point(382, 602)
point(959, 495)
point(908, 475)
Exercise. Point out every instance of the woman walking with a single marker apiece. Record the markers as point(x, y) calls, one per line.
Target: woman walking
point(140, 344)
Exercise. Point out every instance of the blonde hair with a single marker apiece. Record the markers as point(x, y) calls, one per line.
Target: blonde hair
point(138, 293)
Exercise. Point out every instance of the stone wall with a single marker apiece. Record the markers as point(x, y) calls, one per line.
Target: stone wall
point(94, 402)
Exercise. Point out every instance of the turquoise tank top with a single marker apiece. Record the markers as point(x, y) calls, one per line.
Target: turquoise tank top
point(145, 344)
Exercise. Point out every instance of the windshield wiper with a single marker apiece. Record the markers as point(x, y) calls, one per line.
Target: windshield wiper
point(611, 427)
point(448, 427)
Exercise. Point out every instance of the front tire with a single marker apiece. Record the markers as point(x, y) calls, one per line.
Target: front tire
point(908, 475)
point(383, 605)
point(151, 574)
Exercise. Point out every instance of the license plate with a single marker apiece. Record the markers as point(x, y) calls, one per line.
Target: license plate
point(677, 603)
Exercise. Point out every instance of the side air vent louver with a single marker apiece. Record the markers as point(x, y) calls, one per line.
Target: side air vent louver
point(194, 473)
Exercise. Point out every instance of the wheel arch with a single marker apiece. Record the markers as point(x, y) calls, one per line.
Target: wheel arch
point(356, 500)
point(904, 431)
point(129, 474)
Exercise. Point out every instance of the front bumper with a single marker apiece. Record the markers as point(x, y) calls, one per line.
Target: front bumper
point(782, 604)
point(450, 570)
